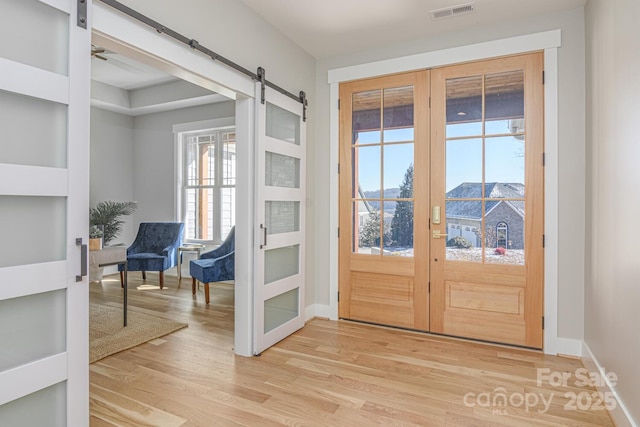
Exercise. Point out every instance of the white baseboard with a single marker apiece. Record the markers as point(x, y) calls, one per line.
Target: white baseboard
point(620, 414)
point(567, 347)
point(317, 310)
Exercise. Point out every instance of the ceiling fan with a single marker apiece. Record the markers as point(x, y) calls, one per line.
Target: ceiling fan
point(96, 52)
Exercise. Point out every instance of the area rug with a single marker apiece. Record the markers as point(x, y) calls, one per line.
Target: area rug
point(107, 335)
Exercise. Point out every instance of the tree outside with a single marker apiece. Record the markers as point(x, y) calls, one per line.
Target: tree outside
point(402, 223)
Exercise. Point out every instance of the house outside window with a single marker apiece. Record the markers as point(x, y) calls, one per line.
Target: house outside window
point(207, 180)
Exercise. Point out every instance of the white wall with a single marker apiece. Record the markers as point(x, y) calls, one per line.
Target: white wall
point(571, 150)
point(233, 30)
point(154, 158)
point(111, 166)
point(612, 290)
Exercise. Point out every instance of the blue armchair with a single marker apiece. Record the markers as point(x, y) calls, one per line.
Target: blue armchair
point(155, 249)
point(214, 266)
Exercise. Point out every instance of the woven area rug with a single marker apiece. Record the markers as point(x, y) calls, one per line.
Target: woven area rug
point(107, 335)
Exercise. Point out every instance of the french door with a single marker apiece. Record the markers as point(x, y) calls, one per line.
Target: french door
point(471, 197)
point(44, 170)
point(280, 216)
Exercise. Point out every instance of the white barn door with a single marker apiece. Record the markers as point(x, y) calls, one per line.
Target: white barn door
point(44, 170)
point(280, 212)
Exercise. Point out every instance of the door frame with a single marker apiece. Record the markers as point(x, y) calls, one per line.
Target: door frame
point(549, 42)
point(120, 33)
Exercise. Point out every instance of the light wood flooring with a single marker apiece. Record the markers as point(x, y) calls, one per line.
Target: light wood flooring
point(327, 374)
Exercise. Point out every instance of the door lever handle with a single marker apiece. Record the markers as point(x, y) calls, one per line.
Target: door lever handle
point(83, 259)
point(436, 234)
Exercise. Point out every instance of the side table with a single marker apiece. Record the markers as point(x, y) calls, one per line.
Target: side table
point(112, 255)
point(195, 247)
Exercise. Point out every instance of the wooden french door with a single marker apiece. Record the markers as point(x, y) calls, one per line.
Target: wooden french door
point(383, 232)
point(472, 195)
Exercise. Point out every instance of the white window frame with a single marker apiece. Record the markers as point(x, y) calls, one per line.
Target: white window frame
point(181, 131)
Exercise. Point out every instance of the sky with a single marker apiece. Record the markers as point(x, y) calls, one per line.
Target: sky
point(504, 156)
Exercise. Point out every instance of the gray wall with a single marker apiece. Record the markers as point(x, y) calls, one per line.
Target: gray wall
point(112, 163)
point(612, 290)
point(571, 147)
point(154, 158)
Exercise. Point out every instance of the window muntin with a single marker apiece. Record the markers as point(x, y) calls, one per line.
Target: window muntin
point(209, 178)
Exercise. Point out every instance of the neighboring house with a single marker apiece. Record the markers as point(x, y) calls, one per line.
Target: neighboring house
point(504, 219)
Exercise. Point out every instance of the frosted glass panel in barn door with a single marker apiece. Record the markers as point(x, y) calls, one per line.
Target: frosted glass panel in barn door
point(44, 155)
point(280, 157)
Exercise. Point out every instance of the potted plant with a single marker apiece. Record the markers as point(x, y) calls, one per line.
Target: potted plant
point(95, 238)
point(109, 215)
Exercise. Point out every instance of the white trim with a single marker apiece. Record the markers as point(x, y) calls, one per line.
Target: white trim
point(317, 310)
point(116, 31)
point(13, 279)
point(621, 415)
point(204, 124)
point(549, 41)
point(552, 342)
point(19, 78)
point(34, 376)
point(33, 181)
point(473, 52)
point(244, 277)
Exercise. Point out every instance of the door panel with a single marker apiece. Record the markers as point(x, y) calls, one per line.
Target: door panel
point(486, 145)
point(44, 112)
point(279, 274)
point(383, 173)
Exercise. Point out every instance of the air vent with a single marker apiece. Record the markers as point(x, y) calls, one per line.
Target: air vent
point(448, 12)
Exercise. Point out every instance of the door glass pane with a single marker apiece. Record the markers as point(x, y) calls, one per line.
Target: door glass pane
point(366, 227)
point(400, 224)
point(280, 309)
point(504, 103)
point(32, 327)
point(366, 164)
point(398, 114)
point(282, 171)
point(398, 170)
point(34, 131)
point(464, 168)
point(282, 217)
point(504, 232)
point(504, 162)
point(36, 228)
point(35, 34)
point(51, 404)
point(280, 263)
point(282, 124)
point(365, 119)
point(463, 225)
point(464, 106)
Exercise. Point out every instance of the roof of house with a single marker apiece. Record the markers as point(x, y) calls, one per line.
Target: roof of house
point(472, 209)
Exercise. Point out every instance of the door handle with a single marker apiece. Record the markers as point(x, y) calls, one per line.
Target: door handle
point(436, 234)
point(83, 259)
point(264, 236)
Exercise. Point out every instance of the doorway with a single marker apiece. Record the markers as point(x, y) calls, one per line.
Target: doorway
point(441, 200)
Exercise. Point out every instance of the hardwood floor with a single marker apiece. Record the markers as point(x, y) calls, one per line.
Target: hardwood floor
point(327, 374)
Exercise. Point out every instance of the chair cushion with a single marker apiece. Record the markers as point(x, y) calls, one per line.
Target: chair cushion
point(212, 270)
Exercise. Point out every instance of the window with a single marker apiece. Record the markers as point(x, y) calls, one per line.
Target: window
point(502, 230)
point(208, 171)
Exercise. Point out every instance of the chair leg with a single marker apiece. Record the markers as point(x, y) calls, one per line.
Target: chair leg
point(122, 279)
point(161, 274)
point(144, 275)
point(206, 293)
point(193, 285)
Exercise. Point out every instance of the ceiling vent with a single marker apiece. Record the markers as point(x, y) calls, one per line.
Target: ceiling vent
point(449, 12)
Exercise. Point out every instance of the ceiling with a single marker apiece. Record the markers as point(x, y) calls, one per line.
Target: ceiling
point(334, 27)
point(125, 73)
